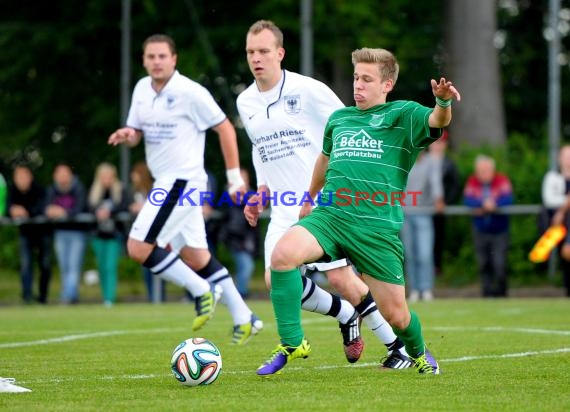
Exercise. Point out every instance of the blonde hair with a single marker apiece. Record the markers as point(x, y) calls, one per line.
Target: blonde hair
point(386, 61)
point(261, 25)
point(145, 184)
point(97, 190)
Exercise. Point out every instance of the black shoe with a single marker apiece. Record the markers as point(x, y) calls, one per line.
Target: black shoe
point(396, 360)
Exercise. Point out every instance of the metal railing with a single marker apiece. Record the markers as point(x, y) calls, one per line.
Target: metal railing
point(467, 211)
point(89, 219)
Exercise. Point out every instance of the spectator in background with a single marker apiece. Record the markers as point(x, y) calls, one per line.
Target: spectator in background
point(556, 202)
point(65, 201)
point(141, 185)
point(485, 192)
point(242, 240)
point(107, 198)
point(27, 201)
point(451, 194)
point(417, 231)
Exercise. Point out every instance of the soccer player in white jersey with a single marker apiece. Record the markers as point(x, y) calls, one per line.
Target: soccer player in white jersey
point(284, 114)
point(172, 113)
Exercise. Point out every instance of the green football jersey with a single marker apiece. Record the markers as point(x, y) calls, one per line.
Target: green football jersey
point(370, 155)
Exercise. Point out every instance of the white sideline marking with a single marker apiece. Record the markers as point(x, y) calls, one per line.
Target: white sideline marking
point(502, 329)
point(67, 338)
point(507, 355)
point(461, 359)
point(80, 336)
point(74, 337)
point(298, 368)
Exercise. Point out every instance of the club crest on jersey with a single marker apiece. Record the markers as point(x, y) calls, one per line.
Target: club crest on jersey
point(292, 103)
point(170, 102)
point(376, 120)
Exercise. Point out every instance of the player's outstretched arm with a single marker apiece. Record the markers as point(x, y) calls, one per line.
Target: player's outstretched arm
point(127, 135)
point(444, 92)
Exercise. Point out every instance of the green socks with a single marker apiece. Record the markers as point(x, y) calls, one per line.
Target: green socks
point(286, 294)
point(412, 336)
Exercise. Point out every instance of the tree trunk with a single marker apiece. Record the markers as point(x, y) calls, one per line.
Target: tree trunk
point(341, 65)
point(473, 67)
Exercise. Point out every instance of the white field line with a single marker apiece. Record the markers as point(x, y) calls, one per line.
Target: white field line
point(308, 321)
point(501, 329)
point(508, 355)
point(80, 336)
point(298, 368)
point(460, 359)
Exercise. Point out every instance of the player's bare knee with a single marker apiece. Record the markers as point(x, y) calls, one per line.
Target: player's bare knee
point(346, 287)
point(398, 323)
point(132, 249)
point(398, 319)
point(195, 258)
point(137, 251)
point(338, 283)
point(283, 259)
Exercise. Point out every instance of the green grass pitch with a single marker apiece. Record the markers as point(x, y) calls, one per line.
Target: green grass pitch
point(495, 355)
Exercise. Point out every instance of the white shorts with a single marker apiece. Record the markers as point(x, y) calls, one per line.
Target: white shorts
point(276, 229)
point(175, 220)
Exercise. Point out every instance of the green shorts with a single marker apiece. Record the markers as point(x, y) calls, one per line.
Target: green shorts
point(375, 252)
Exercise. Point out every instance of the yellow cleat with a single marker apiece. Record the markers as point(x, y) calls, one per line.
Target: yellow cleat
point(205, 306)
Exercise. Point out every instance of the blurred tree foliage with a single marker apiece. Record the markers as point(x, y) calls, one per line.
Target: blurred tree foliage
point(59, 83)
point(60, 71)
point(60, 74)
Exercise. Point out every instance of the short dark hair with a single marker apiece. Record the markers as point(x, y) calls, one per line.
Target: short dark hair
point(160, 38)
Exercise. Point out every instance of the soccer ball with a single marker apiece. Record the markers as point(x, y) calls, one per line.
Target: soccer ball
point(196, 361)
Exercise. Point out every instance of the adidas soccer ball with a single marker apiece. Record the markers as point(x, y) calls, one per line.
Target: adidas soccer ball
point(196, 361)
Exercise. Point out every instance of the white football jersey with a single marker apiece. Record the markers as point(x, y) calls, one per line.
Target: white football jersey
point(174, 123)
point(285, 126)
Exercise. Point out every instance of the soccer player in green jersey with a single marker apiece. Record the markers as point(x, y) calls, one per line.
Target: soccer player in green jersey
point(368, 151)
